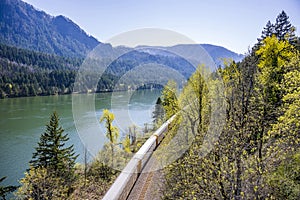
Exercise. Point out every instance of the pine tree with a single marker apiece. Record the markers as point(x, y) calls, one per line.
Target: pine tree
point(284, 29)
point(51, 173)
point(51, 152)
point(158, 113)
point(268, 31)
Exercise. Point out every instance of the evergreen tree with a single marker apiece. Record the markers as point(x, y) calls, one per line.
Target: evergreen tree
point(158, 113)
point(268, 31)
point(51, 174)
point(51, 152)
point(283, 28)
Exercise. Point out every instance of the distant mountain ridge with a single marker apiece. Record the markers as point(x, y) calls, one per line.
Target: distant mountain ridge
point(40, 55)
point(23, 26)
point(218, 53)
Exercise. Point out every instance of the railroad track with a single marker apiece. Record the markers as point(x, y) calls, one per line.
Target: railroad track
point(136, 178)
point(142, 185)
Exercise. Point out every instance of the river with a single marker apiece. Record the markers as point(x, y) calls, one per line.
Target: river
point(23, 120)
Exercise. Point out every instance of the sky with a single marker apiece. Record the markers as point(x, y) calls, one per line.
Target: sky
point(233, 24)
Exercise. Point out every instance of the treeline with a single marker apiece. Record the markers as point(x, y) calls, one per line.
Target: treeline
point(242, 130)
point(21, 81)
point(29, 73)
point(38, 59)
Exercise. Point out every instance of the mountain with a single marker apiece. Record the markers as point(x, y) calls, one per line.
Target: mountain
point(191, 51)
point(40, 54)
point(218, 53)
point(23, 26)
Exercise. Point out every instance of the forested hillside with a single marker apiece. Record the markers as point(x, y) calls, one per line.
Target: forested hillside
point(29, 73)
point(40, 54)
point(256, 155)
point(23, 26)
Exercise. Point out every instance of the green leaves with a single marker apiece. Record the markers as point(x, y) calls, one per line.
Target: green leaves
point(51, 173)
point(282, 29)
point(287, 129)
point(112, 132)
point(126, 144)
point(169, 99)
point(284, 180)
point(42, 183)
point(51, 151)
point(274, 55)
point(262, 128)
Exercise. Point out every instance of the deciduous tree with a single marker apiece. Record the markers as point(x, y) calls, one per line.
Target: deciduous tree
point(112, 132)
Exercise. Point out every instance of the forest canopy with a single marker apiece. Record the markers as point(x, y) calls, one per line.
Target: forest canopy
point(257, 153)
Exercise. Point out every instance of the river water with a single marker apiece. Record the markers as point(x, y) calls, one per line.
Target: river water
point(23, 120)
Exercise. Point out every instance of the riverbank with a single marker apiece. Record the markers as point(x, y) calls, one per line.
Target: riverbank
point(22, 120)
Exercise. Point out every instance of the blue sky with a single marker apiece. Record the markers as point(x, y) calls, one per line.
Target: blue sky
point(234, 24)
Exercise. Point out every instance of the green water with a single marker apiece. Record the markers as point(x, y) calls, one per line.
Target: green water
point(23, 120)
